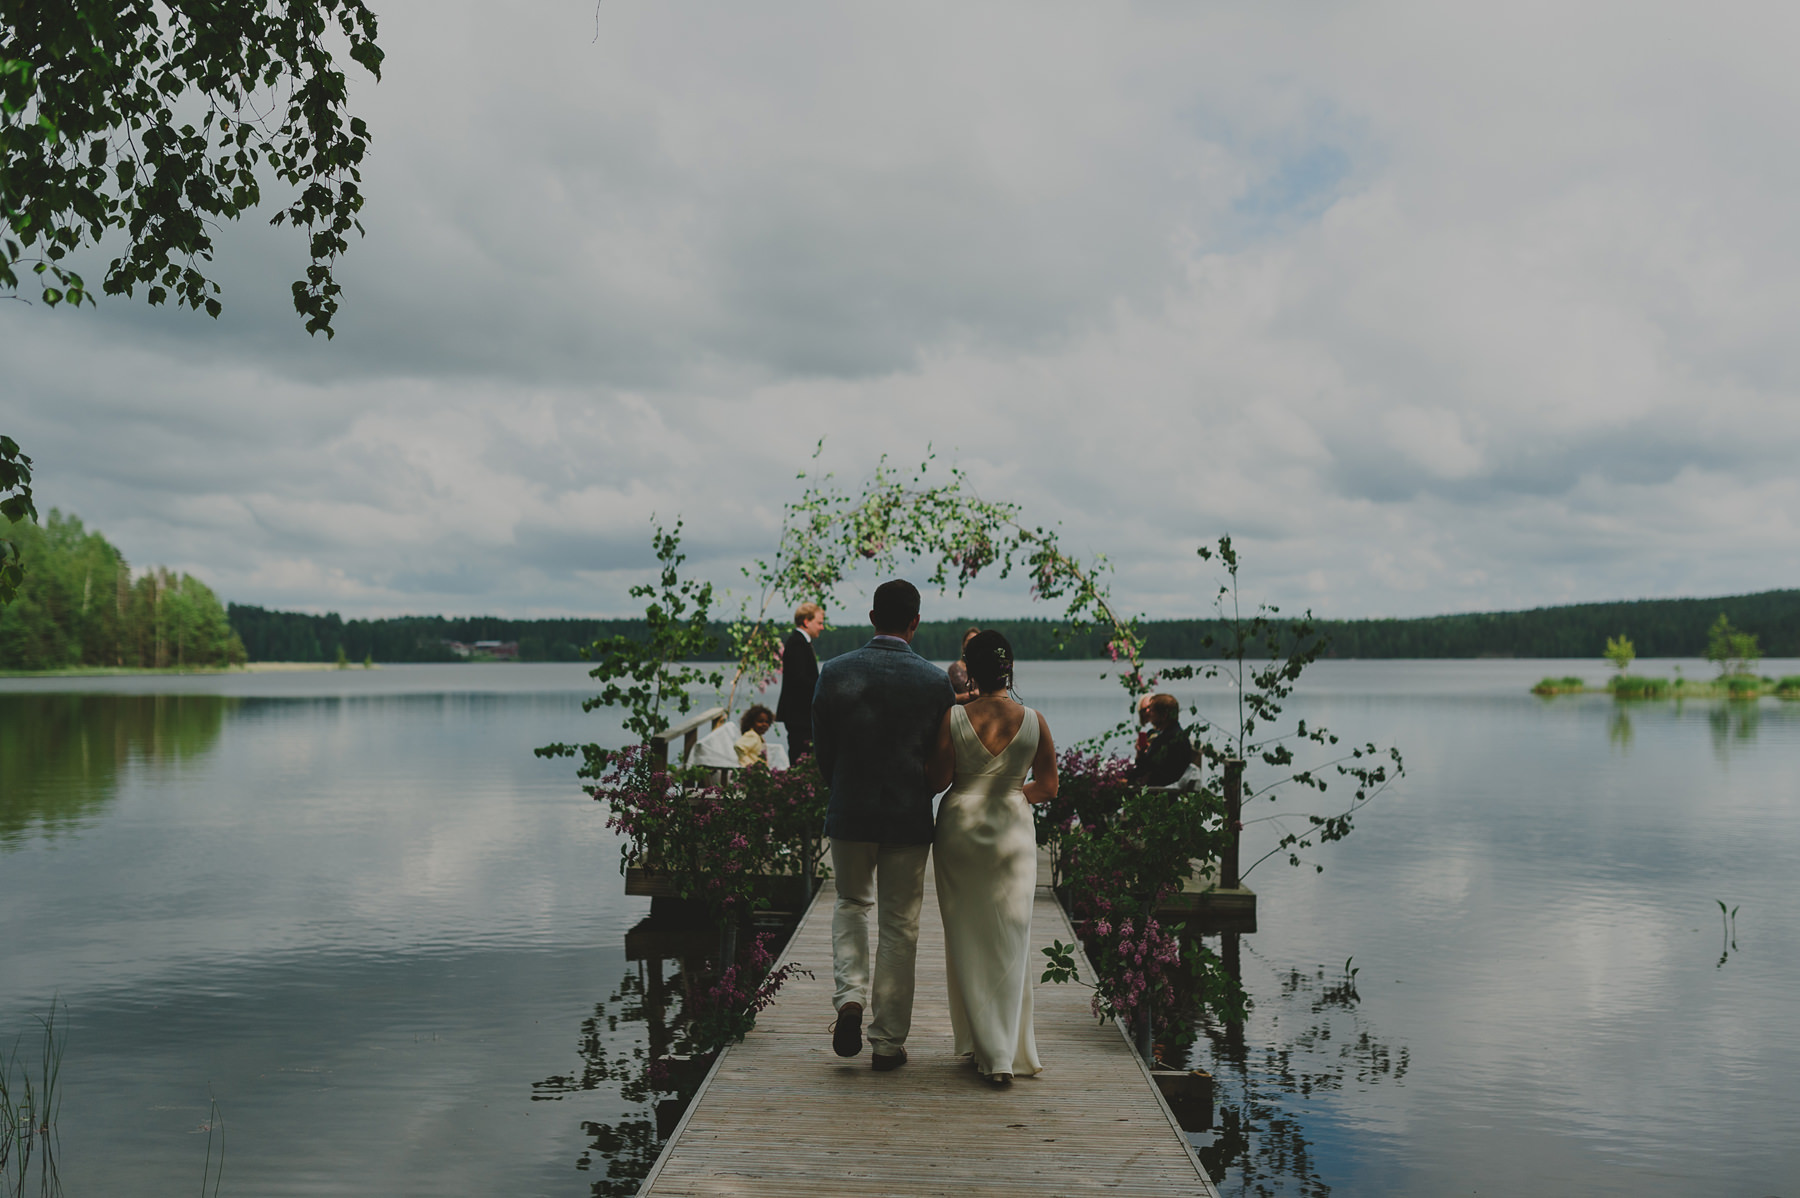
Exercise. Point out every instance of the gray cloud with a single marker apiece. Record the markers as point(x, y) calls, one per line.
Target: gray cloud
point(1432, 311)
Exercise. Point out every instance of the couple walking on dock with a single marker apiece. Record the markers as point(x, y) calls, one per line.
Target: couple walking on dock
point(889, 735)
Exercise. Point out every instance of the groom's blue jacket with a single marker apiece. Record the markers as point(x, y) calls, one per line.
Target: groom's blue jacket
point(876, 712)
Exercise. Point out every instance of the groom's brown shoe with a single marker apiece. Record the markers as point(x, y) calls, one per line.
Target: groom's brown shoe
point(881, 1062)
point(846, 1033)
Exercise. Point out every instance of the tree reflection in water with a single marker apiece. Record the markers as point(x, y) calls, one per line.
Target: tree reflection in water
point(61, 754)
point(1620, 732)
point(635, 1042)
point(1733, 720)
point(1265, 1075)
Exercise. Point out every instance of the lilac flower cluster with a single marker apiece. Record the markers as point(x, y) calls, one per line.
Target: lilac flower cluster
point(1122, 851)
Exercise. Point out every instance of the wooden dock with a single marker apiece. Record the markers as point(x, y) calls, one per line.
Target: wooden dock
point(781, 1115)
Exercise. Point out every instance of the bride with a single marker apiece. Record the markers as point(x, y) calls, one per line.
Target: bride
point(985, 860)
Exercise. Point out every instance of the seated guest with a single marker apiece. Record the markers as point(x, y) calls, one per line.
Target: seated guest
point(1144, 726)
point(1166, 757)
point(755, 725)
point(959, 673)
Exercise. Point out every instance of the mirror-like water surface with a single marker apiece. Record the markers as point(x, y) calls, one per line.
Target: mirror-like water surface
point(356, 912)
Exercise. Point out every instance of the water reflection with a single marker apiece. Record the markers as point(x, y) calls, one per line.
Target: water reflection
point(1727, 932)
point(1308, 1042)
point(634, 1043)
point(1736, 720)
point(61, 754)
point(1620, 731)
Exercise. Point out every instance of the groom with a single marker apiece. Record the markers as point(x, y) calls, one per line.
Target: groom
point(876, 713)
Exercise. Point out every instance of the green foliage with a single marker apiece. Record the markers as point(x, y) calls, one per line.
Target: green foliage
point(727, 1010)
point(91, 140)
point(948, 530)
point(645, 675)
point(1060, 963)
point(1632, 686)
point(717, 845)
point(1091, 790)
point(30, 1100)
point(1264, 656)
point(79, 606)
point(1568, 684)
point(1620, 652)
point(15, 508)
point(1116, 874)
point(1122, 851)
point(1742, 686)
point(1732, 649)
point(1788, 687)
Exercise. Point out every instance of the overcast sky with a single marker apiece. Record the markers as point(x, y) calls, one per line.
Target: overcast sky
point(1433, 307)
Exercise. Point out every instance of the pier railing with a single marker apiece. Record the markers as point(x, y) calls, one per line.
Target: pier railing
point(689, 732)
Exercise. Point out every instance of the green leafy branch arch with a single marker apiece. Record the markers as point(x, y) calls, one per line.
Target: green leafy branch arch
point(947, 527)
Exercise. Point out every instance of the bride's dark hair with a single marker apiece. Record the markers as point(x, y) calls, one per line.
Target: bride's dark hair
point(989, 657)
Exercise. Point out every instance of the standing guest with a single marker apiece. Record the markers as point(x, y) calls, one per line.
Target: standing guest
point(799, 675)
point(960, 682)
point(1168, 754)
point(751, 748)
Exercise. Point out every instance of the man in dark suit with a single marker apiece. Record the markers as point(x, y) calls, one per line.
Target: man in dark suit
point(875, 721)
point(799, 675)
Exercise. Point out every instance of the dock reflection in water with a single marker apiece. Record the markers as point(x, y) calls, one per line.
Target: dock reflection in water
point(633, 1043)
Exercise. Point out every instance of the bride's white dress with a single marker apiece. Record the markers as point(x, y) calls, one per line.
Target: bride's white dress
point(985, 861)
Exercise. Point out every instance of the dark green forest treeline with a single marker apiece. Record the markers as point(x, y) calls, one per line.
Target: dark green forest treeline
point(80, 607)
point(1659, 627)
point(298, 636)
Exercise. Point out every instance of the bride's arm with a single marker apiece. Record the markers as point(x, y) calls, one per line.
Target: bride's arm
point(940, 767)
point(1043, 784)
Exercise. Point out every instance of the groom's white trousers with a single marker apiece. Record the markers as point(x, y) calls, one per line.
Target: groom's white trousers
point(890, 878)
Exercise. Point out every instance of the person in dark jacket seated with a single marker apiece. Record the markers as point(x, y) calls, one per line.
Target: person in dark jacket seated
point(1166, 757)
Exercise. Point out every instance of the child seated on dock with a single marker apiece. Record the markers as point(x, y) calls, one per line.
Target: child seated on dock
point(751, 748)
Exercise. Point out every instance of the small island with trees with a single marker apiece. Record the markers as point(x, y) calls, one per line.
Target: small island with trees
point(1735, 652)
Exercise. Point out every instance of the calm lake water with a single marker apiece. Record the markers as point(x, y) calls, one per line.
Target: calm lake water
point(353, 911)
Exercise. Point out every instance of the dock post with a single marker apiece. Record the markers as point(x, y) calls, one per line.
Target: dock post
point(1234, 813)
point(728, 938)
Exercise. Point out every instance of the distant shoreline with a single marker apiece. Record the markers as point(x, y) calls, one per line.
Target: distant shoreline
point(255, 667)
point(1660, 628)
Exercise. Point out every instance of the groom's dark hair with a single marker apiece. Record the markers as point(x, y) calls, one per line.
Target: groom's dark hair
point(896, 603)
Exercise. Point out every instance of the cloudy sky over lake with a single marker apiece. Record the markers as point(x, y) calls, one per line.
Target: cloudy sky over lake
point(1433, 307)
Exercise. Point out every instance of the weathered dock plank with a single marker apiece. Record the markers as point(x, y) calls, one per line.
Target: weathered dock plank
point(780, 1114)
